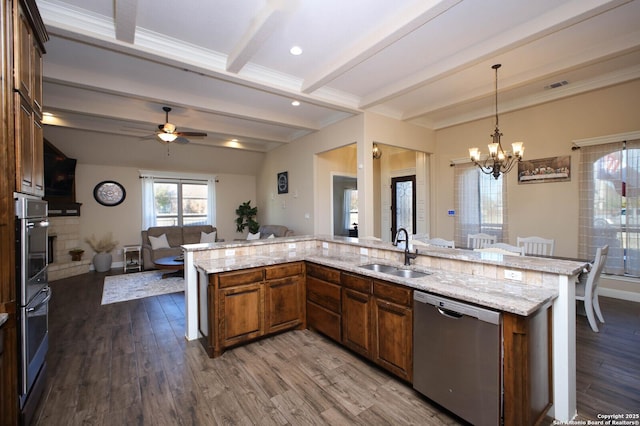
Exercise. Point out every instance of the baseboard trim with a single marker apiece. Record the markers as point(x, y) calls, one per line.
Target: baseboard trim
point(619, 294)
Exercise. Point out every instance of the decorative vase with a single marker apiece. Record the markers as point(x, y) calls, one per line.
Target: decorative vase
point(102, 262)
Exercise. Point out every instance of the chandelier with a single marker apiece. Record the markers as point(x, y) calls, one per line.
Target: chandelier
point(498, 161)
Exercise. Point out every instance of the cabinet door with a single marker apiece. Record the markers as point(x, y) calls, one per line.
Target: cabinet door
point(356, 321)
point(24, 147)
point(38, 158)
point(23, 72)
point(323, 307)
point(284, 303)
point(37, 80)
point(241, 314)
point(393, 326)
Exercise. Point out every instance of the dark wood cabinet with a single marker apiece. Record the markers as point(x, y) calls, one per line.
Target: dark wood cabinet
point(324, 301)
point(393, 329)
point(29, 150)
point(357, 332)
point(284, 297)
point(29, 147)
point(371, 317)
point(241, 313)
point(22, 30)
point(247, 304)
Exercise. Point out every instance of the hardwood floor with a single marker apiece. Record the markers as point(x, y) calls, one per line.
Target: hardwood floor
point(129, 363)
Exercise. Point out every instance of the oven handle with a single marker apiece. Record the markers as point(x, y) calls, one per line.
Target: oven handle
point(41, 224)
point(44, 301)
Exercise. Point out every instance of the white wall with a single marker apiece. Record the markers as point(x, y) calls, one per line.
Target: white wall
point(125, 220)
point(305, 186)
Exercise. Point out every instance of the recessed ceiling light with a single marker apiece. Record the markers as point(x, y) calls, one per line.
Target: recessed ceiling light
point(47, 114)
point(295, 103)
point(296, 50)
point(234, 140)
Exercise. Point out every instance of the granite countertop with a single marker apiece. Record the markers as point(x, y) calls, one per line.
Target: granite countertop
point(503, 295)
point(551, 265)
point(3, 318)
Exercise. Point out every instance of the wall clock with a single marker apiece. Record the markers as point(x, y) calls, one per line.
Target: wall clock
point(109, 193)
point(283, 182)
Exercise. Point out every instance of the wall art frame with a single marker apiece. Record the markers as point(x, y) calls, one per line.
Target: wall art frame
point(283, 182)
point(545, 170)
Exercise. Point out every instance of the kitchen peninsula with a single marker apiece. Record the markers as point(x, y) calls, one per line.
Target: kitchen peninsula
point(465, 275)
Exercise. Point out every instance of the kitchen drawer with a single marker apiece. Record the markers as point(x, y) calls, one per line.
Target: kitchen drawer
point(356, 282)
point(324, 321)
point(324, 294)
point(230, 279)
point(393, 293)
point(324, 273)
point(281, 271)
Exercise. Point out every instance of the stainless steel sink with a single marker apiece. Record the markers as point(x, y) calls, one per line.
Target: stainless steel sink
point(376, 267)
point(408, 273)
point(392, 270)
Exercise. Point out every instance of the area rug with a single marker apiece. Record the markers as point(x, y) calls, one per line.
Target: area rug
point(120, 288)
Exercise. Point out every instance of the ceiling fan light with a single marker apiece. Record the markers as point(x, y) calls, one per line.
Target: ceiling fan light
point(167, 137)
point(169, 128)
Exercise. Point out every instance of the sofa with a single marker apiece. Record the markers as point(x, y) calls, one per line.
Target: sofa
point(275, 230)
point(154, 248)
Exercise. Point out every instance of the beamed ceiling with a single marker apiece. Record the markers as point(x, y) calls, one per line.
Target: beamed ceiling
point(226, 69)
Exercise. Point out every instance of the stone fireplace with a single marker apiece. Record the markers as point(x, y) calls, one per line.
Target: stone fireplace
point(66, 230)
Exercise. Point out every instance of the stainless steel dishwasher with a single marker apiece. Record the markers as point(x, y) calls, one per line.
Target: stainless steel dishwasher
point(457, 357)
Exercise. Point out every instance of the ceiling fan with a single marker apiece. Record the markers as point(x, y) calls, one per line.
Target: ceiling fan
point(167, 132)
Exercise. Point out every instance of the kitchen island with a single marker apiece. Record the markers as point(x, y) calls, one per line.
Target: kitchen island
point(460, 274)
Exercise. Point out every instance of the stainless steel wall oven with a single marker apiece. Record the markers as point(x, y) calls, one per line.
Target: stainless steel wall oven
point(33, 292)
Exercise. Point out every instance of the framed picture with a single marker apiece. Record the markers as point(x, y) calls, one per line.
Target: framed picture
point(283, 182)
point(109, 193)
point(553, 169)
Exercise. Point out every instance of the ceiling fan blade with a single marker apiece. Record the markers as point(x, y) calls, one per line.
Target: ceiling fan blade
point(192, 134)
point(181, 140)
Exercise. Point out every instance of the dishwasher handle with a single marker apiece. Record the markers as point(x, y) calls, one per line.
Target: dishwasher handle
point(449, 314)
point(456, 308)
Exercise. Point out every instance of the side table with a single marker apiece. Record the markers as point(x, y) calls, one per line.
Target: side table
point(132, 258)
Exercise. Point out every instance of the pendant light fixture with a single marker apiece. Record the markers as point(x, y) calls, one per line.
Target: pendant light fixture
point(498, 161)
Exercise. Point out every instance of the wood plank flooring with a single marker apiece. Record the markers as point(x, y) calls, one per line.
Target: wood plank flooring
point(129, 364)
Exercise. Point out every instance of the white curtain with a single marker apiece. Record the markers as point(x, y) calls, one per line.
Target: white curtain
point(211, 200)
point(480, 203)
point(609, 205)
point(148, 202)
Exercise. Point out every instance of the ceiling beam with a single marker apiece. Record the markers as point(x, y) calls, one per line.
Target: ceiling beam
point(400, 26)
point(555, 20)
point(126, 12)
point(262, 26)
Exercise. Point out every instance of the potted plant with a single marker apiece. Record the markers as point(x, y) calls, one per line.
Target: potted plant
point(245, 219)
point(103, 247)
point(76, 254)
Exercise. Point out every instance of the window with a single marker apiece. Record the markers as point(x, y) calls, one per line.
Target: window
point(480, 204)
point(350, 208)
point(178, 203)
point(609, 205)
point(170, 201)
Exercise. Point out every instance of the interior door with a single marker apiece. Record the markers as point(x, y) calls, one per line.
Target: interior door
point(403, 204)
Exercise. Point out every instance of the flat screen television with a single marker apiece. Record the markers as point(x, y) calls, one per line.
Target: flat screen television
point(59, 174)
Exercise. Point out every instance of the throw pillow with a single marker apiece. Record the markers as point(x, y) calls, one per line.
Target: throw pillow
point(255, 236)
point(159, 242)
point(271, 236)
point(208, 238)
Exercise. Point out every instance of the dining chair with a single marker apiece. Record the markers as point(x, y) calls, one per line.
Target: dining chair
point(441, 242)
point(420, 237)
point(587, 288)
point(503, 248)
point(475, 241)
point(536, 246)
